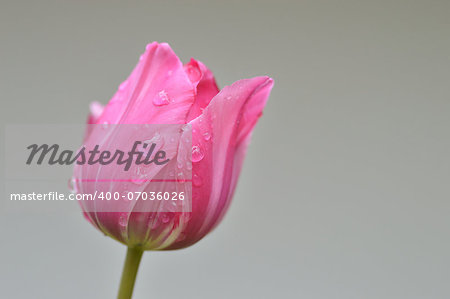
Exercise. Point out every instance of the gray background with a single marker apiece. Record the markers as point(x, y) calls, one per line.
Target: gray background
point(345, 190)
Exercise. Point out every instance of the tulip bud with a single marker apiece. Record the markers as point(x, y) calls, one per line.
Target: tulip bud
point(161, 90)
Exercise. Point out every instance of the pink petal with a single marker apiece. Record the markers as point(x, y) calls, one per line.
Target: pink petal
point(206, 85)
point(222, 134)
point(157, 91)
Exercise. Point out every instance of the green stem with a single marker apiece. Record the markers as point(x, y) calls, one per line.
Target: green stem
point(129, 273)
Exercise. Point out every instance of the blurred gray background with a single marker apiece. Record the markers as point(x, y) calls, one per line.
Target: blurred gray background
point(345, 189)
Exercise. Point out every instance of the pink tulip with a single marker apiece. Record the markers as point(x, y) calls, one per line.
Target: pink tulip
point(161, 90)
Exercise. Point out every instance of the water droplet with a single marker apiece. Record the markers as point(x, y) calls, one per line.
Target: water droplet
point(123, 221)
point(228, 97)
point(165, 218)
point(185, 128)
point(105, 125)
point(197, 180)
point(188, 165)
point(146, 145)
point(180, 164)
point(140, 177)
point(155, 224)
point(141, 148)
point(138, 181)
point(161, 99)
point(193, 72)
point(206, 136)
point(180, 177)
point(155, 139)
point(197, 154)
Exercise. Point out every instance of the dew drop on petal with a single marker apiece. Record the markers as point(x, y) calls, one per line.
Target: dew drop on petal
point(123, 221)
point(197, 180)
point(193, 72)
point(206, 136)
point(155, 224)
point(180, 177)
point(155, 139)
point(185, 128)
point(197, 154)
point(140, 177)
point(161, 99)
point(141, 148)
point(165, 218)
point(137, 181)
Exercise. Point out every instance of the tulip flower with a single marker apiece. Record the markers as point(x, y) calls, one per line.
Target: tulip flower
point(161, 90)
